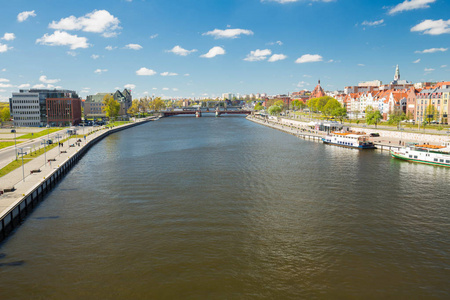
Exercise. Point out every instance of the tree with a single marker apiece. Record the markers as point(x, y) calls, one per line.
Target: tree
point(373, 116)
point(134, 109)
point(274, 110)
point(340, 113)
point(158, 104)
point(312, 104)
point(279, 103)
point(110, 106)
point(396, 118)
point(331, 106)
point(258, 106)
point(5, 114)
point(431, 113)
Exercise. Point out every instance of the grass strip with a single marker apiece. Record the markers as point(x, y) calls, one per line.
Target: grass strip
point(7, 144)
point(40, 133)
point(12, 166)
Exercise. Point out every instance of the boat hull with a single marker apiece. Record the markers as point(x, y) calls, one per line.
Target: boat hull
point(361, 147)
point(420, 161)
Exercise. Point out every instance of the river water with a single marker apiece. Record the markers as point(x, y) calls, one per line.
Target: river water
point(223, 208)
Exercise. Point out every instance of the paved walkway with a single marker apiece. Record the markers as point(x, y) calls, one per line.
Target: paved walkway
point(23, 187)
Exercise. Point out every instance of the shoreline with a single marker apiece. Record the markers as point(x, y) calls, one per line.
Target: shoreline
point(22, 196)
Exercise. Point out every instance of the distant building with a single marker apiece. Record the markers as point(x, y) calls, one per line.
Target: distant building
point(37, 107)
point(317, 92)
point(93, 106)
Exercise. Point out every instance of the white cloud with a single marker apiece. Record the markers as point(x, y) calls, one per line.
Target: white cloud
point(154, 89)
point(72, 53)
point(306, 58)
point(44, 79)
point(100, 71)
point(24, 86)
point(361, 65)
point(180, 51)
point(8, 36)
point(62, 38)
point(432, 50)
point(416, 61)
point(302, 84)
point(145, 72)
point(277, 57)
point(5, 85)
point(154, 36)
point(95, 56)
point(109, 48)
point(4, 80)
point(258, 55)
point(25, 15)
point(130, 86)
point(279, 43)
point(428, 70)
point(410, 5)
point(175, 89)
point(39, 86)
point(374, 23)
point(213, 52)
point(168, 74)
point(444, 66)
point(4, 70)
point(432, 27)
point(187, 74)
point(228, 33)
point(133, 47)
point(4, 48)
point(165, 89)
point(98, 21)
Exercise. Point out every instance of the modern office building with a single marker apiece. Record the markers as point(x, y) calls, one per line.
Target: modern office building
point(29, 107)
point(93, 106)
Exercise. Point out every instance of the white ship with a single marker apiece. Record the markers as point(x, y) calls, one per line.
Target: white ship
point(349, 140)
point(425, 154)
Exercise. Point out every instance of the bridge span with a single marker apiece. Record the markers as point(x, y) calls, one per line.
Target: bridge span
point(198, 113)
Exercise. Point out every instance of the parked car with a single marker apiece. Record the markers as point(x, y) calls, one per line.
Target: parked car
point(374, 134)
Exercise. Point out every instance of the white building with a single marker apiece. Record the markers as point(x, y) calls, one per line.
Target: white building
point(25, 109)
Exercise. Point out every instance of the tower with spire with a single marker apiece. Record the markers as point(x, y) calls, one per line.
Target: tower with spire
point(397, 74)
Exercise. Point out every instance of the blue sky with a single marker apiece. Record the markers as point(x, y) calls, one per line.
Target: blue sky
point(197, 48)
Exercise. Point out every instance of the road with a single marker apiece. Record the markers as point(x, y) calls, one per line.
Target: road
point(8, 154)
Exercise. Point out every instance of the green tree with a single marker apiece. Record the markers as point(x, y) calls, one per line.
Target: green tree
point(396, 118)
point(134, 109)
point(111, 107)
point(331, 106)
point(274, 110)
point(340, 113)
point(312, 104)
point(258, 106)
point(431, 113)
point(373, 116)
point(5, 114)
point(279, 103)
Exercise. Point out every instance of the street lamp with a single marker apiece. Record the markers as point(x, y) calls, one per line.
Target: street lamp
point(58, 136)
point(45, 152)
point(15, 142)
point(23, 169)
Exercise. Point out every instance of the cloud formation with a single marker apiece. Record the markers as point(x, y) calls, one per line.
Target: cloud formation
point(432, 27)
point(44, 79)
point(277, 57)
point(100, 71)
point(133, 47)
point(410, 5)
point(145, 72)
point(4, 48)
point(8, 36)
point(168, 74)
point(432, 50)
point(374, 23)
point(130, 86)
point(228, 33)
point(258, 55)
point(180, 51)
point(213, 52)
point(62, 38)
point(25, 15)
point(416, 61)
point(306, 58)
point(98, 21)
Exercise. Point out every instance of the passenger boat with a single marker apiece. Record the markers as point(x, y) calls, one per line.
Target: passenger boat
point(349, 140)
point(425, 154)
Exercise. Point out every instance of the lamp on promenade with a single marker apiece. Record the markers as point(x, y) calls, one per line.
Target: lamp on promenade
point(15, 142)
point(45, 152)
point(23, 169)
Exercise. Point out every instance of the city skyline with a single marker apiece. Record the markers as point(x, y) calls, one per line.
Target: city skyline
point(203, 49)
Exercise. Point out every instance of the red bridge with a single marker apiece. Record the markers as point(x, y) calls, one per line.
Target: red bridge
point(198, 113)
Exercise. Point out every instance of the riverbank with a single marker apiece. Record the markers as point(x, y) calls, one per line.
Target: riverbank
point(386, 141)
point(24, 187)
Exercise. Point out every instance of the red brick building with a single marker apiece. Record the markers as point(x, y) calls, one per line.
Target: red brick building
point(317, 92)
point(63, 111)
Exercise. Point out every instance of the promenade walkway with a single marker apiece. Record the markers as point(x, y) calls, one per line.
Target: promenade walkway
point(23, 181)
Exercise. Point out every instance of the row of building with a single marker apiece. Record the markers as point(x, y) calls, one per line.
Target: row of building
point(42, 107)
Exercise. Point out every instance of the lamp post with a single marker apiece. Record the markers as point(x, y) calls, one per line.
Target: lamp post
point(58, 136)
point(23, 169)
point(15, 142)
point(45, 152)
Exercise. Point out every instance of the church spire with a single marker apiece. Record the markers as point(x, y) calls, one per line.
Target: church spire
point(397, 74)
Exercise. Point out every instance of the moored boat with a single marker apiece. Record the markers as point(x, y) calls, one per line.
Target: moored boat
point(425, 154)
point(349, 140)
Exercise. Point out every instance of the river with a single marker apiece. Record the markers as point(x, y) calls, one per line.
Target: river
point(223, 208)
